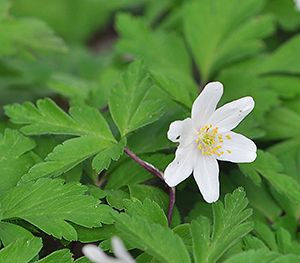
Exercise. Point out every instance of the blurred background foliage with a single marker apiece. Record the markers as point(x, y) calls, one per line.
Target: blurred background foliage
point(75, 51)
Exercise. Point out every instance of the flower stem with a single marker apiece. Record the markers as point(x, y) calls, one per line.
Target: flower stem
point(159, 174)
point(171, 203)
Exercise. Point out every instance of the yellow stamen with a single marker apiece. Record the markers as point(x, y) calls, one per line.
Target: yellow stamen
point(209, 140)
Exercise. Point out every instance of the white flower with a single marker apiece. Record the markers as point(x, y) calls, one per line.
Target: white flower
point(297, 2)
point(207, 137)
point(96, 255)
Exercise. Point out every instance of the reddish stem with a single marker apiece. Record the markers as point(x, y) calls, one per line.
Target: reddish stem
point(159, 174)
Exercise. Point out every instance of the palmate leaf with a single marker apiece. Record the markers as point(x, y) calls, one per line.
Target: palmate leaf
point(59, 256)
point(163, 52)
point(262, 255)
point(66, 156)
point(14, 158)
point(156, 240)
point(49, 204)
point(10, 233)
point(103, 159)
point(228, 228)
point(223, 31)
point(128, 104)
point(21, 251)
point(26, 34)
point(286, 59)
point(269, 167)
point(48, 118)
point(148, 209)
point(279, 241)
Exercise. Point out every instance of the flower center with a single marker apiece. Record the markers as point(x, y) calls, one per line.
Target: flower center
point(210, 141)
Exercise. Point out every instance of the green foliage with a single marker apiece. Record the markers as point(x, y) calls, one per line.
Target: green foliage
point(128, 102)
point(49, 204)
point(163, 52)
point(228, 228)
point(77, 100)
point(262, 256)
point(155, 239)
point(61, 256)
point(22, 250)
point(15, 158)
point(268, 167)
point(227, 31)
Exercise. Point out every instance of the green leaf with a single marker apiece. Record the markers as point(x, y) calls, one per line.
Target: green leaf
point(66, 156)
point(259, 197)
point(285, 243)
point(105, 232)
point(128, 102)
point(266, 235)
point(121, 177)
point(21, 251)
point(286, 86)
point(228, 228)
point(280, 242)
point(75, 89)
point(262, 255)
point(286, 59)
point(282, 123)
point(82, 260)
point(49, 204)
point(59, 256)
point(184, 232)
point(10, 233)
point(220, 32)
point(285, 13)
point(148, 209)
point(146, 258)
point(152, 138)
point(155, 194)
point(163, 52)
point(115, 198)
point(287, 153)
point(240, 83)
point(174, 88)
point(4, 5)
point(28, 34)
point(252, 242)
point(268, 166)
point(14, 158)
point(47, 117)
point(155, 239)
point(103, 159)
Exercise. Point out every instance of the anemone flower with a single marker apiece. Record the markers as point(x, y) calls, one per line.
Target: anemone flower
point(96, 255)
point(207, 137)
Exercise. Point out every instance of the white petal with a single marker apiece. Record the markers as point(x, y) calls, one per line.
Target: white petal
point(206, 103)
point(120, 251)
point(231, 114)
point(183, 132)
point(206, 174)
point(96, 255)
point(242, 149)
point(182, 166)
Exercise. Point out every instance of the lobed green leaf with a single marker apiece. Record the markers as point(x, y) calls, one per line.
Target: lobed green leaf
point(128, 102)
point(48, 118)
point(49, 204)
point(15, 159)
point(228, 228)
point(155, 239)
point(21, 251)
